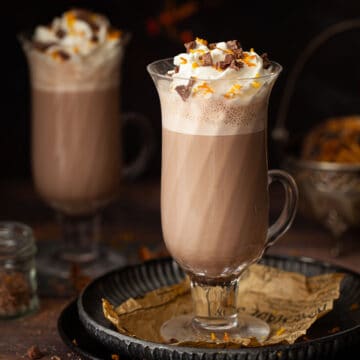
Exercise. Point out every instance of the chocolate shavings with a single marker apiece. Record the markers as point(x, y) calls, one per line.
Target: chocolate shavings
point(63, 55)
point(34, 353)
point(95, 38)
point(233, 44)
point(266, 61)
point(226, 62)
point(60, 33)
point(206, 59)
point(42, 46)
point(185, 90)
point(238, 53)
point(236, 65)
point(190, 45)
point(85, 16)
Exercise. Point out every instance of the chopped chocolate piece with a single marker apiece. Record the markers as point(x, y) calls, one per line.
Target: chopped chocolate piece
point(34, 353)
point(176, 69)
point(266, 61)
point(63, 55)
point(212, 46)
point(42, 46)
point(226, 62)
point(185, 90)
point(206, 59)
point(190, 45)
point(233, 44)
point(60, 33)
point(238, 53)
point(85, 16)
point(236, 65)
point(95, 38)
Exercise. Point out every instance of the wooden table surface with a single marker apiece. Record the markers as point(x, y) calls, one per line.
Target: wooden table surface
point(132, 222)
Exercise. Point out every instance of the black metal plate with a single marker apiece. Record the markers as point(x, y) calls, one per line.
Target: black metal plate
point(133, 281)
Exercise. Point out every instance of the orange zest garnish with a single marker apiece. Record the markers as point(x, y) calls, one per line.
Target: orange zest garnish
point(226, 337)
point(255, 84)
point(234, 90)
point(114, 34)
point(183, 60)
point(203, 88)
point(213, 336)
point(201, 41)
point(226, 51)
point(200, 51)
point(70, 19)
point(280, 331)
point(195, 65)
point(246, 59)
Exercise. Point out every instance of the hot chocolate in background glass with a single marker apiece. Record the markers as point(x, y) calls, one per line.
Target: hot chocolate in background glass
point(74, 66)
point(214, 181)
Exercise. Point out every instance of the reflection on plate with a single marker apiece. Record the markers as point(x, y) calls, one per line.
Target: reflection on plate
point(134, 281)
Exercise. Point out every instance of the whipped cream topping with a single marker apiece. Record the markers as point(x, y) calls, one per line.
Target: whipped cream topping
point(76, 34)
point(221, 68)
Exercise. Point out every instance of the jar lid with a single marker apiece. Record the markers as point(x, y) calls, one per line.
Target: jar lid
point(16, 241)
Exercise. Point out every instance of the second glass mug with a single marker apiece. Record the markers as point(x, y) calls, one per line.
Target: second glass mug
point(214, 198)
point(76, 152)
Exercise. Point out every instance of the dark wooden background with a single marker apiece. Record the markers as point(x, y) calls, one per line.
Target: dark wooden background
point(329, 85)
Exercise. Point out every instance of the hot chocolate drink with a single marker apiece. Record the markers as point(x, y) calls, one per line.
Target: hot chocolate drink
point(214, 181)
point(76, 152)
point(214, 191)
point(214, 217)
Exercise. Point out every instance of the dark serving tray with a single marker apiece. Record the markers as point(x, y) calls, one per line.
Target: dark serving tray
point(134, 281)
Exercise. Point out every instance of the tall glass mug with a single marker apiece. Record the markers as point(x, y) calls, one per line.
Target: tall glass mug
point(214, 197)
point(76, 142)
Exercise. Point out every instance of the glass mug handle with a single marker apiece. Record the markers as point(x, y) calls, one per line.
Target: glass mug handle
point(147, 137)
point(288, 212)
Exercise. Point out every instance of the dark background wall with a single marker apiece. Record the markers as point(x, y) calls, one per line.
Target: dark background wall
point(329, 85)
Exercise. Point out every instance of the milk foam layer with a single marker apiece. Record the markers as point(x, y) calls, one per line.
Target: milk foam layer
point(215, 116)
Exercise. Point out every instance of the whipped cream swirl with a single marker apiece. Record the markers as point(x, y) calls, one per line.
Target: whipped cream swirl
point(77, 34)
point(198, 71)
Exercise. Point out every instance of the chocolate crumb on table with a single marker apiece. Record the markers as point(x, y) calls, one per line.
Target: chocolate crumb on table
point(334, 330)
point(34, 353)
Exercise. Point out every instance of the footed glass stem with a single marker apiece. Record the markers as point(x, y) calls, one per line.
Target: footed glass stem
point(215, 317)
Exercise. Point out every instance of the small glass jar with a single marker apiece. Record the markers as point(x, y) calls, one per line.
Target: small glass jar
point(18, 286)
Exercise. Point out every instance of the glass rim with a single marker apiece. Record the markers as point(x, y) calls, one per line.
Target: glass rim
point(22, 236)
point(150, 68)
